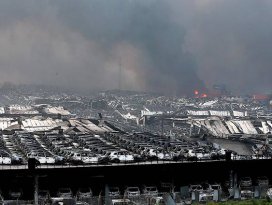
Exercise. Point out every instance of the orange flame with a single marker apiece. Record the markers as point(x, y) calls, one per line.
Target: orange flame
point(204, 95)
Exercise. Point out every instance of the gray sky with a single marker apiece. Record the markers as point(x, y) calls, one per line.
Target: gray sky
point(172, 46)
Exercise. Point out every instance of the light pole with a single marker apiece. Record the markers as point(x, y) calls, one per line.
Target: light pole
point(36, 189)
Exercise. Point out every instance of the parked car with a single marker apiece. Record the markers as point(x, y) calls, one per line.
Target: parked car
point(150, 191)
point(60, 160)
point(195, 187)
point(245, 182)
point(157, 200)
point(216, 187)
point(198, 154)
point(43, 195)
point(114, 191)
point(5, 160)
point(132, 191)
point(121, 156)
point(75, 158)
point(15, 159)
point(15, 193)
point(84, 192)
point(263, 181)
point(65, 193)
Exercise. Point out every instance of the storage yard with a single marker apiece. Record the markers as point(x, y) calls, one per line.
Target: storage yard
point(104, 138)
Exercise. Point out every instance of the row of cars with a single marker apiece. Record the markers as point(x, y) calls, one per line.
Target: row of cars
point(15, 152)
point(86, 192)
point(4, 152)
point(244, 188)
point(59, 148)
point(21, 146)
point(86, 149)
point(33, 149)
point(155, 147)
point(113, 192)
point(102, 147)
point(16, 193)
point(202, 192)
point(247, 188)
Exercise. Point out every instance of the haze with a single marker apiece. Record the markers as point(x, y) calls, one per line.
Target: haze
point(171, 46)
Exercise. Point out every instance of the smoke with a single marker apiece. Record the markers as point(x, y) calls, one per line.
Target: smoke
point(231, 41)
point(171, 46)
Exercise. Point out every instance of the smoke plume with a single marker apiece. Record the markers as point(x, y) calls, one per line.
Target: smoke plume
point(171, 46)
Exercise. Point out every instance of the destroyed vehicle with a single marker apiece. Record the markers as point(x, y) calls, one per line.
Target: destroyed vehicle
point(43, 195)
point(195, 187)
point(198, 154)
point(157, 200)
point(150, 191)
point(65, 193)
point(114, 191)
point(132, 191)
point(121, 156)
point(15, 193)
point(245, 182)
point(84, 192)
point(263, 181)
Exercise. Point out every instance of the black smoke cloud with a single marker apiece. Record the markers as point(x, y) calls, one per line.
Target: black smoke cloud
point(82, 44)
point(171, 46)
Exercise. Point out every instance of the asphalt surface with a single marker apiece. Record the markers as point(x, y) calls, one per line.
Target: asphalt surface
point(239, 147)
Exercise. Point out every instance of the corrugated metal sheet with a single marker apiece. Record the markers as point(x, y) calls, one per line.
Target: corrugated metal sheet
point(57, 110)
point(219, 113)
point(198, 113)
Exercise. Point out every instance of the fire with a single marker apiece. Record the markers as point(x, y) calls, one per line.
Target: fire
point(260, 97)
point(200, 94)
